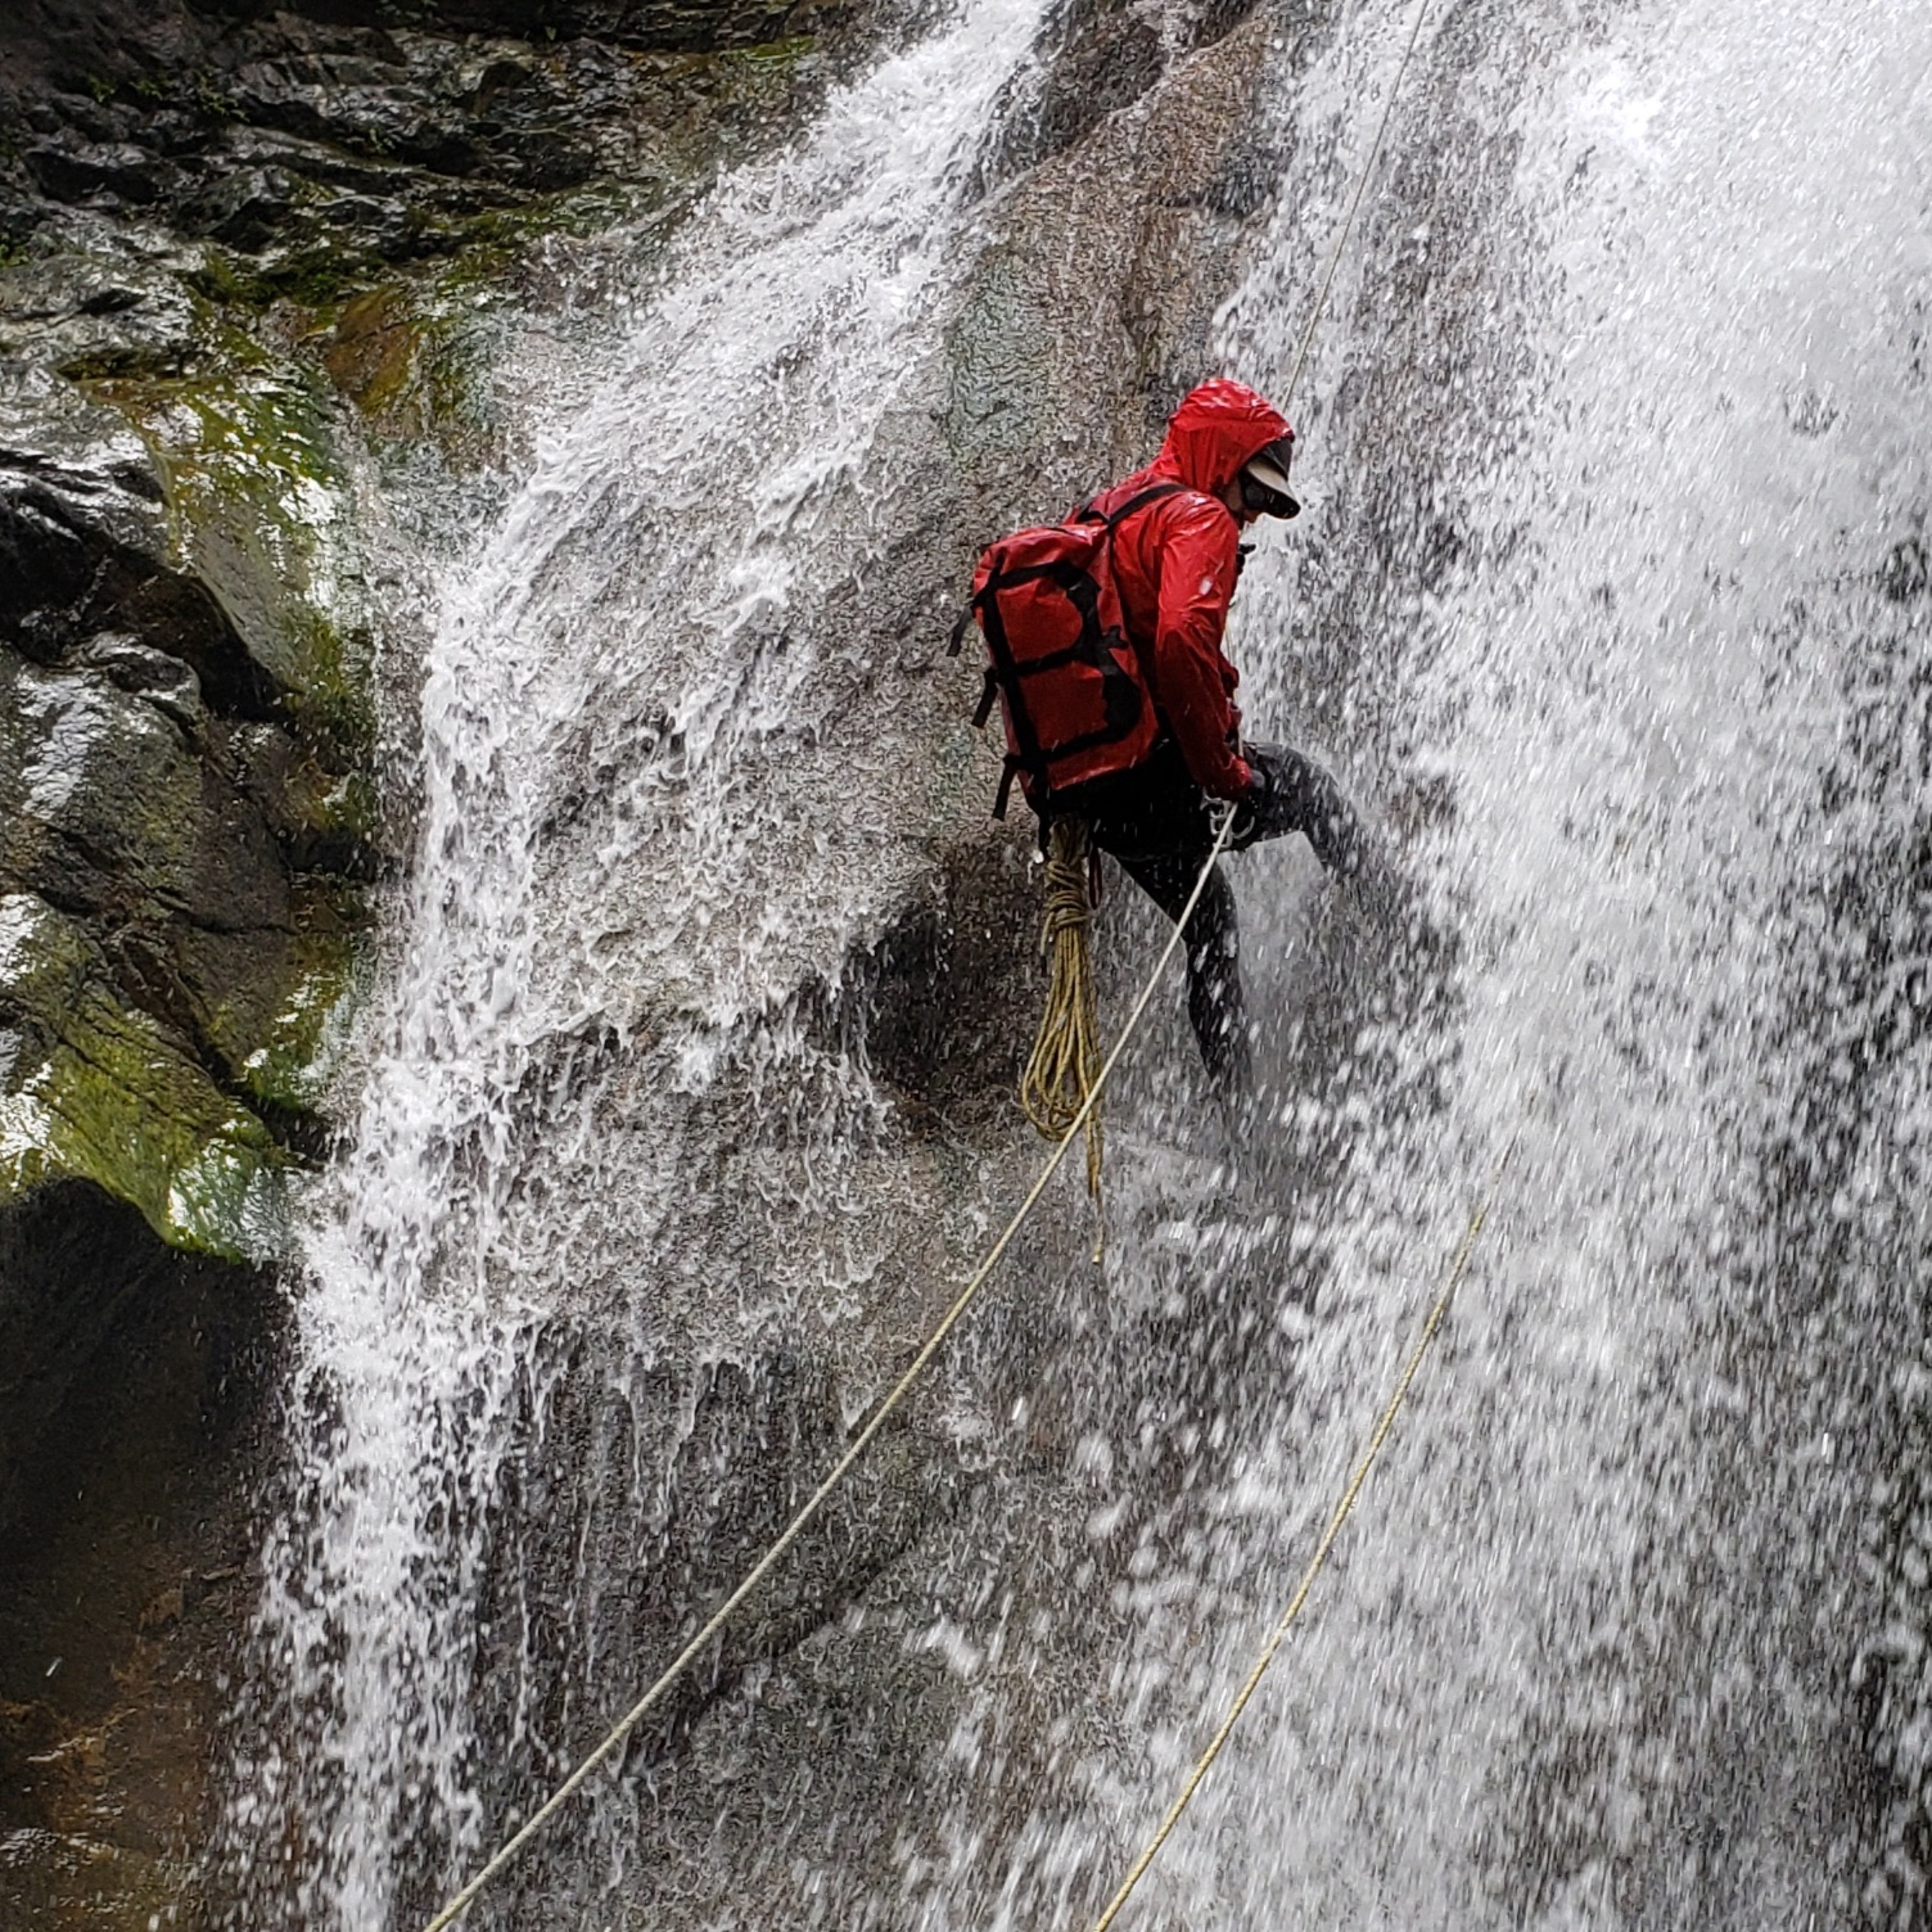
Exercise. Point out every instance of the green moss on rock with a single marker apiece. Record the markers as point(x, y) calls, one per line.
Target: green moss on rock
point(91, 1090)
point(259, 510)
point(279, 1019)
point(414, 356)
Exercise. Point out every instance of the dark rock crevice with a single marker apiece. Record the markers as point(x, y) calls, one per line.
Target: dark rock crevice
point(130, 1404)
point(949, 991)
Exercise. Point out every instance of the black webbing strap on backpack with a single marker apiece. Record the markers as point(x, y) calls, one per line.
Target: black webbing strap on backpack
point(1139, 500)
point(1028, 757)
point(1085, 513)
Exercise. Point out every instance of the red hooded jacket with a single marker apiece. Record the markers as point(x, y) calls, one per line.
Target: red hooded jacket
point(1174, 564)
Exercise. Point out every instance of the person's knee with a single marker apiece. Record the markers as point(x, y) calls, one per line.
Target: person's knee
point(1303, 797)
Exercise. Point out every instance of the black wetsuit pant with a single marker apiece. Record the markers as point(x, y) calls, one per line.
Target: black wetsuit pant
point(1161, 826)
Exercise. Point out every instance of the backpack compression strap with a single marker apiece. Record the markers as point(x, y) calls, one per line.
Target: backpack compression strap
point(1086, 514)
point(1139, 500)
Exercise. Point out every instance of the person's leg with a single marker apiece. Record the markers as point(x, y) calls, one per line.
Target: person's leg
point(1213, 939)
point(1160, 826)
point(1302, 797)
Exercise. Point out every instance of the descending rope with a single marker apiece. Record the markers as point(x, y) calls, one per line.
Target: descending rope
point(535, 1823)
point(1355, 205)
point(635, 1715)
point(1379, 1435)
point(1413, 1367)
point(1062, 1072)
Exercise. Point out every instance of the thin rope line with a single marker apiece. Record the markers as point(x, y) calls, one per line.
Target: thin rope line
point(1379, 1435)
point(1355, 202)
point(632, 1717)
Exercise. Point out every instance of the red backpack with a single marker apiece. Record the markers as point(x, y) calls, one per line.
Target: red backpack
point(1070, 683)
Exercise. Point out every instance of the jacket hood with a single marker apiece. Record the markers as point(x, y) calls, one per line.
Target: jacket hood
point(1217, 428)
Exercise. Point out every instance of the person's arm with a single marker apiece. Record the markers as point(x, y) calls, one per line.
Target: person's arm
point(1194, 680)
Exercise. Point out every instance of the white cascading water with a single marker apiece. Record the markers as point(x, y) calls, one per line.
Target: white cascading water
point(625, 617)
point(1616, 467)
point(1620, 412)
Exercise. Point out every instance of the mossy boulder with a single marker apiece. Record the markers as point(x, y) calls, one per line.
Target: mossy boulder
point(90, 1090)
point(257, 512)
point(186, 806)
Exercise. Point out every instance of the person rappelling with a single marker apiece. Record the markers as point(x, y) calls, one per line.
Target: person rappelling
point(1104, 645)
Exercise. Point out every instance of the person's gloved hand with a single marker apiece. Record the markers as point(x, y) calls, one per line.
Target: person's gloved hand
point(1251, 813)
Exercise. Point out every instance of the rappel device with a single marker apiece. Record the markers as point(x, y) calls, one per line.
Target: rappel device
point(1069, 684)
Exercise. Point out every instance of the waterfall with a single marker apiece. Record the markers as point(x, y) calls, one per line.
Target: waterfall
point(1621, 462)
point(605, 873)
point(1609, 599)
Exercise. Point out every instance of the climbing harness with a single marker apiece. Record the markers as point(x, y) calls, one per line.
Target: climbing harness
point(1058, 1086)
point(1378, 1436)
point(462, 1900)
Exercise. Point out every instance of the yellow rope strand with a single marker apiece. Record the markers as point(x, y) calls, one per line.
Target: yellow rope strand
point(1355, 205)
point(1441, 1307)
point(1384, 1424)
point(1061, 1072)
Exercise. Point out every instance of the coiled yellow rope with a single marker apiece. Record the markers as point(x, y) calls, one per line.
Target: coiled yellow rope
point(1064, 1069)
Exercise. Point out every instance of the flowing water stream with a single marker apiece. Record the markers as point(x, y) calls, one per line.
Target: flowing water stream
point(1611, 596)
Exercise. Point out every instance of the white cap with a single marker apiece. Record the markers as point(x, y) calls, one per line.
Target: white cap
point(1271, 475)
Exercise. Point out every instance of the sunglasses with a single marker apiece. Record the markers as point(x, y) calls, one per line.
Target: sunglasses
point(1257, 497)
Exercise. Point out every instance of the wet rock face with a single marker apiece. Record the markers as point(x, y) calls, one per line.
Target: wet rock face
point(130, 1407)
point(248, 257)
point(239, 244)
point(84, 546)
point(156, 932)
point(321, 145)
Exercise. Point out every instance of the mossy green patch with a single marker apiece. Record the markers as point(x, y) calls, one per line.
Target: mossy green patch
point(293, 1067)
point(260, 511)
point(373, 352)
point(96, 1092)
point(414, 356)
point(349, 807)
point(280, 1023)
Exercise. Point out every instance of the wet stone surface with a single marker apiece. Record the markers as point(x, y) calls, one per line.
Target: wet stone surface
point(130, 1408)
